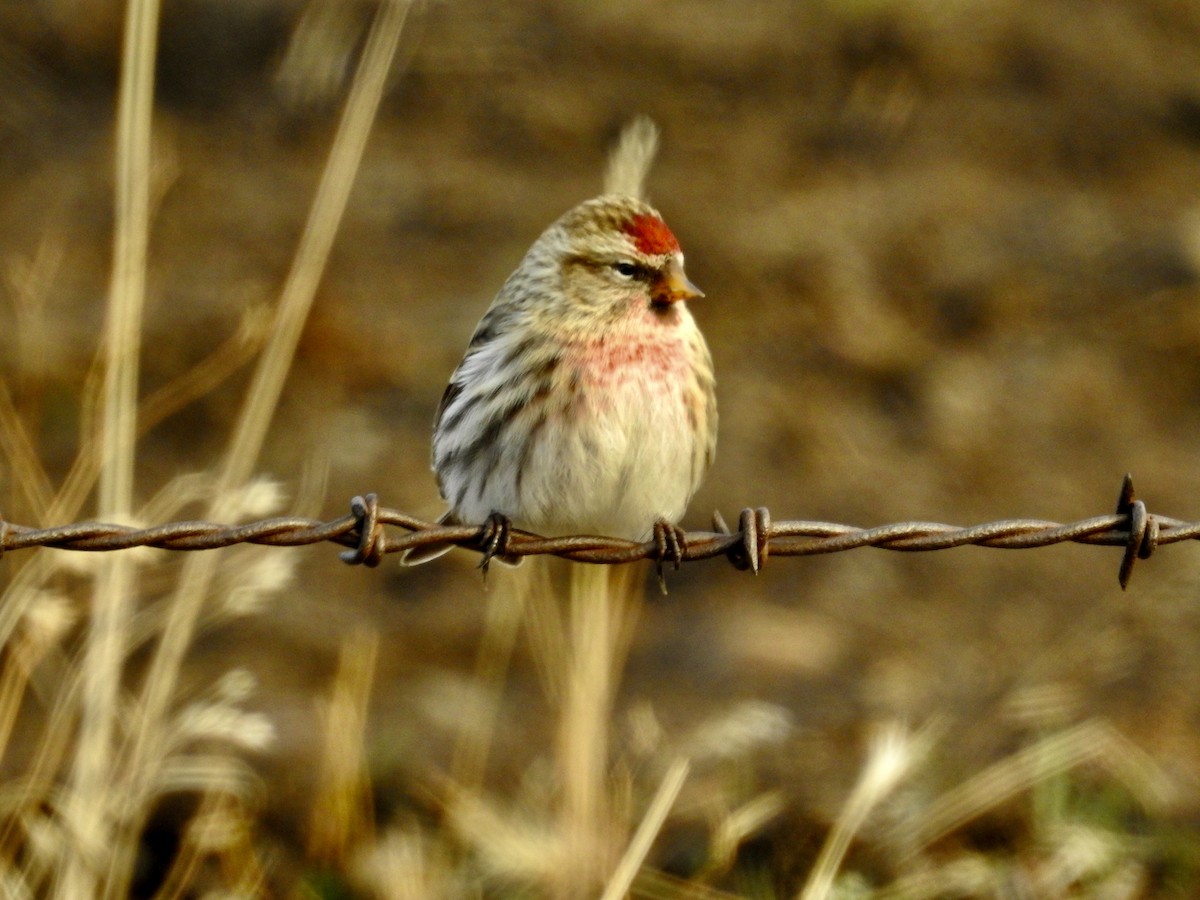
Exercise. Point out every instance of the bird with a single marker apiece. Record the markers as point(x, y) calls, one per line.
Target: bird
point(585, 402)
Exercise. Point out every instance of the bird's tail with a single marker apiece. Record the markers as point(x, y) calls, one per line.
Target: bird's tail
point(414, 556)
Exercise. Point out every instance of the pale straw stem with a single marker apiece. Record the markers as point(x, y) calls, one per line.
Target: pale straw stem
point(296, 299)
point(648, 829)
point(89, 804)
point(892, 753)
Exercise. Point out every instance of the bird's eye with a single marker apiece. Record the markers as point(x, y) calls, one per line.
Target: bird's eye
point(625, 269)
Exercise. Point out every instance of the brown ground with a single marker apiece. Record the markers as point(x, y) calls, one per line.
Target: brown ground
point(951, 255)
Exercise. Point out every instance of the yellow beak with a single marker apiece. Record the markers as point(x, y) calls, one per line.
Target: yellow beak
point(675, 284)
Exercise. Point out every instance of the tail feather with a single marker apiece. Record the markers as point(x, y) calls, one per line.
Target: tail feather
point(415, 556)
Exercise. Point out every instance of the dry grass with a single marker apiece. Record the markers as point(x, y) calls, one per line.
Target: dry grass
point(121, 749)
point(138, 761)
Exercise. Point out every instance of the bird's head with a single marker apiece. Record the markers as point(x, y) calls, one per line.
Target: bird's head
point(616, 255)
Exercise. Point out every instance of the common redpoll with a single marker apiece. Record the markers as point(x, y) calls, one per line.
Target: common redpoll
point(585, 402)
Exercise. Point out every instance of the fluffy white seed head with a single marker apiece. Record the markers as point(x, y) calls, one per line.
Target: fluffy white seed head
point(630, 161)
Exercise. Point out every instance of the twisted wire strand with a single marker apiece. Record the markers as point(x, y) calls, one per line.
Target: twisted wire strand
point(747, 547)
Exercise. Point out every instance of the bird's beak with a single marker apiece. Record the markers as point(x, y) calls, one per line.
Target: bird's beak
point(676, 285)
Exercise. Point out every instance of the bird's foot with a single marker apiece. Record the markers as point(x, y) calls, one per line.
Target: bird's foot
point(670, 544)
point(493, 539)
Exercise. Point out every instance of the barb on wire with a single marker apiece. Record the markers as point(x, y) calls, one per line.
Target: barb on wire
point(757, 538)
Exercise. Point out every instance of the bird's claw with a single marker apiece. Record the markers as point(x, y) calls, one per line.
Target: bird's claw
point(670, 543)
point(493, 539)
point(754, 528)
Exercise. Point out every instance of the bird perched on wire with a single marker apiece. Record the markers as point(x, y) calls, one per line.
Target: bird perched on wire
point(585, 402)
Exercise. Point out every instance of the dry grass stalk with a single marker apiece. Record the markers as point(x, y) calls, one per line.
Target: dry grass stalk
point(506, 608)
point(257, 411)
point(652, 822)
point(295, 302)
point(1093, 741)
point(892, 754)
point(89, 805)
point(341, 811)
point(82, 841)
point(603, 610)
point(630, 161)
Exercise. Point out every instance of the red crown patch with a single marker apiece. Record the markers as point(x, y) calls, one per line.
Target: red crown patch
point(651, 235)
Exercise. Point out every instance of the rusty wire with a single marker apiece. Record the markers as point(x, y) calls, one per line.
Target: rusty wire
point(748, 547)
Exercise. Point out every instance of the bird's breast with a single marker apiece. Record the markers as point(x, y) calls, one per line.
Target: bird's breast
point(654, 363)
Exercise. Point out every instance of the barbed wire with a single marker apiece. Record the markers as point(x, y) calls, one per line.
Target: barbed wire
point(756, 539)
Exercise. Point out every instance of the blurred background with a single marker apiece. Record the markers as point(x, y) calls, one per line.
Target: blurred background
point(951, 259)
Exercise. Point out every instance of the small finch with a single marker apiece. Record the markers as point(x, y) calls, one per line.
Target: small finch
point(585, 402)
